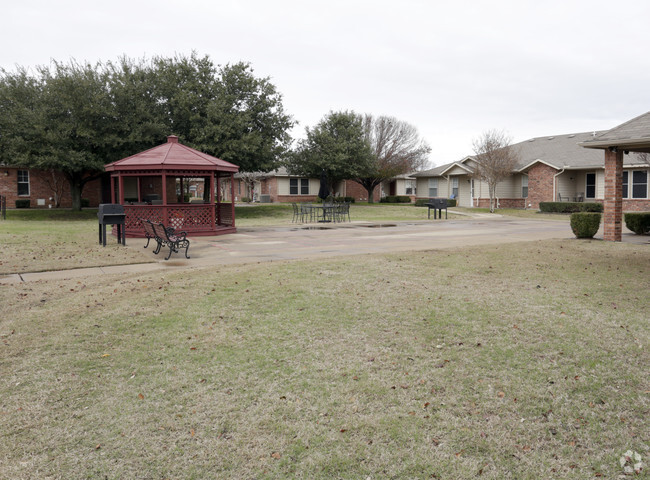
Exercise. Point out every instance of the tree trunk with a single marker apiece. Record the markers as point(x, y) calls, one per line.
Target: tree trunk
point(371, 191)
point(76, 187)
point(492, 189)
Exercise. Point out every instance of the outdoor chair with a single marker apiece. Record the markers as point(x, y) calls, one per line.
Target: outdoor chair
point(559, 196)
point(580, 197)
point(296, 213)
point(345, 211)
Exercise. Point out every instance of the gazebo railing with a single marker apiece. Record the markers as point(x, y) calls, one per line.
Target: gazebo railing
point(191, 218)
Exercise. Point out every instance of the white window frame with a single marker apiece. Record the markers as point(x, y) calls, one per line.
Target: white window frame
point(587, 185)
point(433, 187)
point(301, 186)
point(524, 186)
point(632, 184)
point(23, 179)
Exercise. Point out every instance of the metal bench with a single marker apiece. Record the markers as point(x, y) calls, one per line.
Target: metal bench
point(166, 236)
point(437, 204)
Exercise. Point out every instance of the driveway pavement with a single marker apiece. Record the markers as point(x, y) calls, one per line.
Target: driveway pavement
point(263, 244)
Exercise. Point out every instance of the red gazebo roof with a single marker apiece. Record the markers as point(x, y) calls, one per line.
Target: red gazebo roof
point(172, 156)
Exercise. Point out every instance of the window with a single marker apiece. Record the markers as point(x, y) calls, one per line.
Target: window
point(454, 187)
point(625, 184)
point(590, 185)
point(640, 184)
point(23, 183)
point(298, 186)
point(433, 187)
point(410, 187)
point(524, 186)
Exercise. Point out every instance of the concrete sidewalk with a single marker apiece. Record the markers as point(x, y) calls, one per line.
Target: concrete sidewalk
point(264, 244)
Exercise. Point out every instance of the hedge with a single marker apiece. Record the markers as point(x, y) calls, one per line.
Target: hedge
point(570, 207)
point(638, 222)
point(585, 224)
point(396, 199)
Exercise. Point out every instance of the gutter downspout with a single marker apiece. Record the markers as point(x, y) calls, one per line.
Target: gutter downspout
point(555, 182)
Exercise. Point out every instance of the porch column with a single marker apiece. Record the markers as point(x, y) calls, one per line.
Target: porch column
point(613, 211)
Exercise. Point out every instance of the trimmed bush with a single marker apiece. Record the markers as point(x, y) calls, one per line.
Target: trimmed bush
point(570, 207)
point(396, 199)
point(638, 222)
point(585, 224)
point(22, 203)
point(451, 202)
point(85, 203)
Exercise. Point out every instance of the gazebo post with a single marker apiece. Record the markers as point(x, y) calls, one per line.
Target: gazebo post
point(164, 198)
point(232, 198)
point(112, 188)
point(212, 204)
point(120, 181)
point(218, 199)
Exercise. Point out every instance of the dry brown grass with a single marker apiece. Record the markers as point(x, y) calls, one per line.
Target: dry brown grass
point(37, 246)
point(523, 361)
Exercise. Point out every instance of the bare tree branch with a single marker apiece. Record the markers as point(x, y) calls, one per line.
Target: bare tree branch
point(495, 159)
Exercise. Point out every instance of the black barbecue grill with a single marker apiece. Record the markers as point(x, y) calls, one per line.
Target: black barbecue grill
point(111, 214)
point(437, 204)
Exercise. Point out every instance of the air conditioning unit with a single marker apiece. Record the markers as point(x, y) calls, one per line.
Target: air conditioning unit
point(265, 198)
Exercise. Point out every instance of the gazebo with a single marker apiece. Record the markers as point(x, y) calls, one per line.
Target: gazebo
point(152, 185)
point(631, 136)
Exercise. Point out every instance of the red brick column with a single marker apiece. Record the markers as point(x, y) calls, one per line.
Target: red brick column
point(613, 195)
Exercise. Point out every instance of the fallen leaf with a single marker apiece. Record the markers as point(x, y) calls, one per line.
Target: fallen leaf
point(140, 396)
point(276, 455)
point(192, 432)
point(501, 394)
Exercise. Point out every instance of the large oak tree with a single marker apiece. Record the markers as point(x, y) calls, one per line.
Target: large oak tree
point(77, 117)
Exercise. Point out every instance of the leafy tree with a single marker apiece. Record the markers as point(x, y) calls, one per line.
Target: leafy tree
point(495, 160)
point(396, 150)
point(75, 118)
point(64, 117)
point(337, 145)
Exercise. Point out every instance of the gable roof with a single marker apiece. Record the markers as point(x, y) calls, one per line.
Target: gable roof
point(631, 135)
point(557, 151)
point(172, 156)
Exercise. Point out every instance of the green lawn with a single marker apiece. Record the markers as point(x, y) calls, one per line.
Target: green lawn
point(521, 361)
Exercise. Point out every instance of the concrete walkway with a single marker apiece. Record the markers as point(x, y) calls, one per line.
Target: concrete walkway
point(264, 244)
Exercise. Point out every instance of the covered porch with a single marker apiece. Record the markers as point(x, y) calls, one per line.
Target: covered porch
point(631, 136)
point(175, 185)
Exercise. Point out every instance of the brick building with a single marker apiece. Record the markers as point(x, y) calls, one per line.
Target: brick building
point(555, 168)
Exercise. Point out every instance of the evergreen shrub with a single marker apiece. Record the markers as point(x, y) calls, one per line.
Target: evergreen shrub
point(585, 224)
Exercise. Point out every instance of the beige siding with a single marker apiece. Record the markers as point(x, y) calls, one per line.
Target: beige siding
point(566, 185)
point(464, 191)
point(509, 187)
point(456, 171)
point(283, 186)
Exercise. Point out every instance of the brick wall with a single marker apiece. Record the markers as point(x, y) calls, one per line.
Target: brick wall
point(503, 202)
point(636, 205)
point(360, 194)
point(540, 184)
point(40, 182)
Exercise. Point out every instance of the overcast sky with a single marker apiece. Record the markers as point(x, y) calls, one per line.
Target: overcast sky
point(454, 69)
